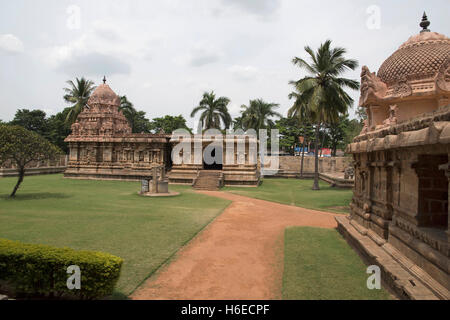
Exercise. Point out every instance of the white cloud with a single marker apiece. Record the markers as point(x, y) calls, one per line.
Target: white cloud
point(200, 55)
point(244, 73)
point(259, 7)
point(102, 49)
point(10, 44)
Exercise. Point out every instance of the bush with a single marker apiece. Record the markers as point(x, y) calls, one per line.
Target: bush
point(41, 271)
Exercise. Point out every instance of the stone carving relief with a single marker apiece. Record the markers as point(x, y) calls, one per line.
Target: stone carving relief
point(402, 88)
point(371, 87)
point(76, 129)
point(365, 128)
point(392, 120)
point(443, 77)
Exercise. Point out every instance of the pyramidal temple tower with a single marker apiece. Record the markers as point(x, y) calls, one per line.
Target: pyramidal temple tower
point(102, 145)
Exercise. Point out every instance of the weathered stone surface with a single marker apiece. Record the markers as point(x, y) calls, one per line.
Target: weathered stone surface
point(402, 166)
point(395, 267)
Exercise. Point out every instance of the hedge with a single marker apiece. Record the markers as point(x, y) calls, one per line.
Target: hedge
point(41, 271)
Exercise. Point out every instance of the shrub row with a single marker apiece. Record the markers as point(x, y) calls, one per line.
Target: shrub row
point(41, 271)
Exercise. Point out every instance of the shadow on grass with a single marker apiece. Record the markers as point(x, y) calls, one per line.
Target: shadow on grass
point(35, 196)
point(117, 295)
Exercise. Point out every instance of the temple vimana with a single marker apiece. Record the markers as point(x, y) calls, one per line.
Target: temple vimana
point(399, 213)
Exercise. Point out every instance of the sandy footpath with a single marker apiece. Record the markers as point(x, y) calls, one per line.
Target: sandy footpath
point(238, 256)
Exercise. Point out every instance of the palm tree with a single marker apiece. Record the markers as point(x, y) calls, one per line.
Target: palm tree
point(257, 115)
point(128, 110)
point(214, 111)
point(78, 95)
point(322, 91)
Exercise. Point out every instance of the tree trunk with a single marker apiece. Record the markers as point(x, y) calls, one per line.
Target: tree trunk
point(316, 161)
point(334, 150)
point(21, 175)
point(321, 144)
point(303, 157)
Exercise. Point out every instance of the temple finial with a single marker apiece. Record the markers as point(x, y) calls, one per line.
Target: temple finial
point(104, 79)
point(425, 23)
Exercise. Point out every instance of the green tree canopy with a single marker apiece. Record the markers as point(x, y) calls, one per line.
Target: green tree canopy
point(137, 120)
point(34, 120)
point(21, 146)
point(59, 129)
point(258, 115)
point(77, 94)
point(322, 92)
point(214, 111)
point(168, 124)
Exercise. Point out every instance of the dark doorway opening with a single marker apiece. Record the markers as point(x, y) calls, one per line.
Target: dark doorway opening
point(210, 156)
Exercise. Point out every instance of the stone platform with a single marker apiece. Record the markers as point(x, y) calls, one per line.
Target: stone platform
point(401, 276)
point(159, 195)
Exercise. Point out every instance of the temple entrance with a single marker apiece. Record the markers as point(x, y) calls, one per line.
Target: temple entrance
point(213, 158)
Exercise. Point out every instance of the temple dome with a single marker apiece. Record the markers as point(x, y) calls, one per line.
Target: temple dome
point(104, 95)
point(421, 57)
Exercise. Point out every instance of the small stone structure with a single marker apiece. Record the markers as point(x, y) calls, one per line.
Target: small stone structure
point(399, 212)
point(238, 171)
point(158, 186)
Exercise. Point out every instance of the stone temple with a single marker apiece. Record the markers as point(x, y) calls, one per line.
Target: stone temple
point(399, 212)
point(102, 146)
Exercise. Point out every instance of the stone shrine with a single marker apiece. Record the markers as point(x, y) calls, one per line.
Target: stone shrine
point(399, 212)
point(102, 146)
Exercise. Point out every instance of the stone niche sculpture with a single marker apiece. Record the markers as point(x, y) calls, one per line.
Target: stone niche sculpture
point(399, 211)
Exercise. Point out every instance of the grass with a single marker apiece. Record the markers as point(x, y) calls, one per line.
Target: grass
point(298, 193)
point(320, 265)
point(106, 216)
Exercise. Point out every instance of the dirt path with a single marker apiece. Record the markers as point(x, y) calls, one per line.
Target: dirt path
point(238, 256)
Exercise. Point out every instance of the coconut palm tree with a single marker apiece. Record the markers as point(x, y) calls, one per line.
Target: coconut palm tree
point(214, 111)
point(77, 94)
point(257, 115)
point(322, 92)
point(128, 110)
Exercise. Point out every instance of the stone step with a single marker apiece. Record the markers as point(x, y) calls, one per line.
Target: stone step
point(208, 180)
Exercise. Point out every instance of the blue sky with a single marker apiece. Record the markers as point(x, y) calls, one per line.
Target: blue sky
point(163, 54)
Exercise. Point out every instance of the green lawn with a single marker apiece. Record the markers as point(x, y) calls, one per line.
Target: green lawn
point(105, 216)
point(320, 265)
point(298, 193)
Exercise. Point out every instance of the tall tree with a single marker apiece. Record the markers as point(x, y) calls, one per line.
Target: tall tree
point(168, 124)
point(237, 123)
point(59, 129)
point(128, 110)
point(77, 94)
point(322, 91)
point(214, 111)
point(290, 131)
point(258, 115)
point(137, 120)
point(21, 146)
point(34, 120)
